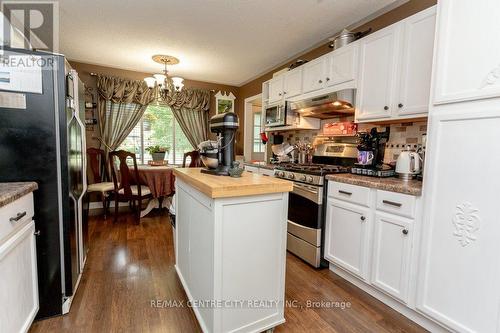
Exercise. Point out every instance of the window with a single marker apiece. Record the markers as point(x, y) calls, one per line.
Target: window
point(258, 147)
point(157, 127)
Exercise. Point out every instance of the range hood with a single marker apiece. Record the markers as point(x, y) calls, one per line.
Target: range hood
point(326, 106)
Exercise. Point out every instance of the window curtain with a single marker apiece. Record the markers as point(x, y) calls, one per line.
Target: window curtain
point(120, 105)
point(190, 108)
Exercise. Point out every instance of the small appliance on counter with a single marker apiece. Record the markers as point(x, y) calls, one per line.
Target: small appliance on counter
point(409, 164)
point(225, 126)
point(371, 149)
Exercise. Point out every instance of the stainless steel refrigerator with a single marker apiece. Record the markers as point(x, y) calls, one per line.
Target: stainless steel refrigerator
point(44, 141)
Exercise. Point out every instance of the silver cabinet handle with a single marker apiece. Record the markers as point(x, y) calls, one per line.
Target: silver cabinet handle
point(392, 203)
point(344, 192)
point(18, 217)
point(37, 233)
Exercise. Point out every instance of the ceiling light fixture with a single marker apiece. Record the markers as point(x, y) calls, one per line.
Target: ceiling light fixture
point(162, 80)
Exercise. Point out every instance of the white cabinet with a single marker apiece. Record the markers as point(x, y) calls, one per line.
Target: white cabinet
point(275, 87)
point(416, 64)
point(395, 69)
point(343, 65)
point(377, 73)
point(459, 264)
point(472, 72)
point(347, 237)
point(459, 271)
point(313, 77)
point(392, 254)
point(292, 83)
point(18, 269)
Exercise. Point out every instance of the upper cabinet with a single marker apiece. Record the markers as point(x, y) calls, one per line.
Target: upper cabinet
point(292, 83)
point(468, 57)
point(275, 87)
point(342, 65)
point(395, 69)
point(416, 64)
point(314, 77)
point(378, 72)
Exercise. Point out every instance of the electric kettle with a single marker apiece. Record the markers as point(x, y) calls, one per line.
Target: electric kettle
point(409, 164)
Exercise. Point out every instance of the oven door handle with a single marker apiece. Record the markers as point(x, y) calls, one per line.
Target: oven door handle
point(313, 195)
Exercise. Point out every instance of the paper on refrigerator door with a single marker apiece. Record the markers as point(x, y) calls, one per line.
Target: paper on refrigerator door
point(22, 73)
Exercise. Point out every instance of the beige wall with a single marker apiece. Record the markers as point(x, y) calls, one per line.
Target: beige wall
point(84, 71)
point(255, 87)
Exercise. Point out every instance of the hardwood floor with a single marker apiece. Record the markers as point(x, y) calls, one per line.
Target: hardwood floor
point(130, 265)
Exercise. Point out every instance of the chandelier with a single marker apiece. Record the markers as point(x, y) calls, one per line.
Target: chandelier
point(162, 80)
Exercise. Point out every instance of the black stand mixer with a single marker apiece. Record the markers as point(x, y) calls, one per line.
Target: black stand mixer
point(225, 126)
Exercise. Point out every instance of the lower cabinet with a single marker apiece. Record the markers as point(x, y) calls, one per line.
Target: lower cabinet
point(18, 269)
point(392, 245)
point(347, 237)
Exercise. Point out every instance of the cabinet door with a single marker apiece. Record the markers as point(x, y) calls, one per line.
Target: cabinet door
point(377, 73)
point(314, 75)
point(459, 272)
point(276, 89)
point(346, 237)
point(468, 58)
point(416, 64)
point(293, 83)
point(343, 64)
point(392, 255)
point(18, 281)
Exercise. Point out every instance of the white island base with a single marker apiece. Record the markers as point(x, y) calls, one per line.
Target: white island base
point(230, 258)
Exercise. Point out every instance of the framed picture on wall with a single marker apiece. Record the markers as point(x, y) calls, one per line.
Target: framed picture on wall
point(224, 102)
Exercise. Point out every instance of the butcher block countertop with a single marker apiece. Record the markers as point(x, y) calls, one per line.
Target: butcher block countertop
point(10, 192)
point(225, 186)
point(392, 184)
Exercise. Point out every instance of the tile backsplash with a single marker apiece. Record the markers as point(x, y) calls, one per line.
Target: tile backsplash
point(402, 134)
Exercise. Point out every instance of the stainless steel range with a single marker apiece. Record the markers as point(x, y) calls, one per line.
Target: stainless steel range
point(306, 213)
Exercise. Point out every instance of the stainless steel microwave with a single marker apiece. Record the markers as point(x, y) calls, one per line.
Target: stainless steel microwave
point(276, 114)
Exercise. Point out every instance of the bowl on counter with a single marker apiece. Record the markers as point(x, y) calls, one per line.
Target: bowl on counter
point(210, 160)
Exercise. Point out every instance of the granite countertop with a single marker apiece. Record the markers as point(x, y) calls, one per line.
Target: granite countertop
point(392, 184)
point(263, 165)
point(10, 192)
point(226, 187)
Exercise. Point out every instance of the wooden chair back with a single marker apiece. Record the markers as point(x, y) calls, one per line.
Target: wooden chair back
point(97, 162)
point(195, 159)
point(126, 178)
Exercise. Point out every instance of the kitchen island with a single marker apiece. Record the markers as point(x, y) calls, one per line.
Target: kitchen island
point(230, 246)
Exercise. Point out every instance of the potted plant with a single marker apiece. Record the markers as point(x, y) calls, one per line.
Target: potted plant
point(158, 153)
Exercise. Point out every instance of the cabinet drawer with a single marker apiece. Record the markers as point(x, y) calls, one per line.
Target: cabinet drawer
point(19, 211)
point(396, 203)
point(266, 172)
point(351, 193)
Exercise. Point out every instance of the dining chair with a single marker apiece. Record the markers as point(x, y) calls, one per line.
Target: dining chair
point(100, 177)
point(125, 190)
point(195, 159)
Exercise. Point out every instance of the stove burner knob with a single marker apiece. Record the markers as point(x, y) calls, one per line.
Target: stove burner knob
point(281, 174)
point(291, 176)
point(303, 178)
point(310, 179)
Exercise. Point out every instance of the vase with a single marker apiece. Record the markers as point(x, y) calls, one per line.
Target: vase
point(158, 156)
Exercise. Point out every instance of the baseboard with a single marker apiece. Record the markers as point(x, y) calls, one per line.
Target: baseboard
point(409, 313)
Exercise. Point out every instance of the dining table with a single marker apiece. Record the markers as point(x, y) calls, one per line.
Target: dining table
point(161, 183)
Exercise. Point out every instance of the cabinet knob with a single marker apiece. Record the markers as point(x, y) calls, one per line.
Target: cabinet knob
point(37, 233)
point(405, 231)
point(284, 92)
point(386, 107)
point(362, 218)
point(327, 79)
point(279, 94)
point(400, 105)
point(320, 81)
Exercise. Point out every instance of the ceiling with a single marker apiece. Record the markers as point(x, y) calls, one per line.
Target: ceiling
point(223, 41)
